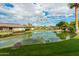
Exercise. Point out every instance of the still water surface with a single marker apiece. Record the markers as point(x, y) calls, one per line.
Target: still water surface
point(34, 38)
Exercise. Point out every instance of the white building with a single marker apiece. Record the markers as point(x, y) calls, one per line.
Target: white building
point(14, 27)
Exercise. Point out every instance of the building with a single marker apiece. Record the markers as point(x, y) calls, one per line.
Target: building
point(11, 26)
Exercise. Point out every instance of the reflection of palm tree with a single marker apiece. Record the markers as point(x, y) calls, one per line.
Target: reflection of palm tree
point(76, 5)
point(62, 35)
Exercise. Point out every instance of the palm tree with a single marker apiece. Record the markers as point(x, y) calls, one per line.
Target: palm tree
point(76, 5)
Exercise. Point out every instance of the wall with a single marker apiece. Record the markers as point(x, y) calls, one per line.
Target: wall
point(18, 29)
point(4, 28)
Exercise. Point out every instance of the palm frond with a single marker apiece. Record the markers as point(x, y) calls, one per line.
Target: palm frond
point(72, 5)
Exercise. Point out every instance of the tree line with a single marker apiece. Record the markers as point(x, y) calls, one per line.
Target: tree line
point(65, 25)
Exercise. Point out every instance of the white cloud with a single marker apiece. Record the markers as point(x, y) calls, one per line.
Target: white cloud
point(34, 12)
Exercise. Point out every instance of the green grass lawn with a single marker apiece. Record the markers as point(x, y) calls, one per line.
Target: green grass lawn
point(5, 32)
point(69, 47)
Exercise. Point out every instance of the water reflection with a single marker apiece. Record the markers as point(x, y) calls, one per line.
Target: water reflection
point(34, 38)
point(65, 35)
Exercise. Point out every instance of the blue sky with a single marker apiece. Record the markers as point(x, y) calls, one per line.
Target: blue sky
point(36, 13)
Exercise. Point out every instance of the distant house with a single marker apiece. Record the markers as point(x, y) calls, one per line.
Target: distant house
point(11, 26)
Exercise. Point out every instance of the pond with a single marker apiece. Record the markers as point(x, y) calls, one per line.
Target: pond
point(29, 38)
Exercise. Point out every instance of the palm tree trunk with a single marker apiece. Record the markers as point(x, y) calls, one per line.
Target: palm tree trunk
point(76, 17)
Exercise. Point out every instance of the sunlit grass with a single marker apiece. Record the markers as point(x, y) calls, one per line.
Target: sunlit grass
point(69, 47)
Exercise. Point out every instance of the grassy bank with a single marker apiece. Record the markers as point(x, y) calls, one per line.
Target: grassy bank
point(9, 33)
point(69, 47)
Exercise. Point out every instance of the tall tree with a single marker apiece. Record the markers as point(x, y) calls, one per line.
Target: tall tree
point(76, 5)
point(62, 25)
